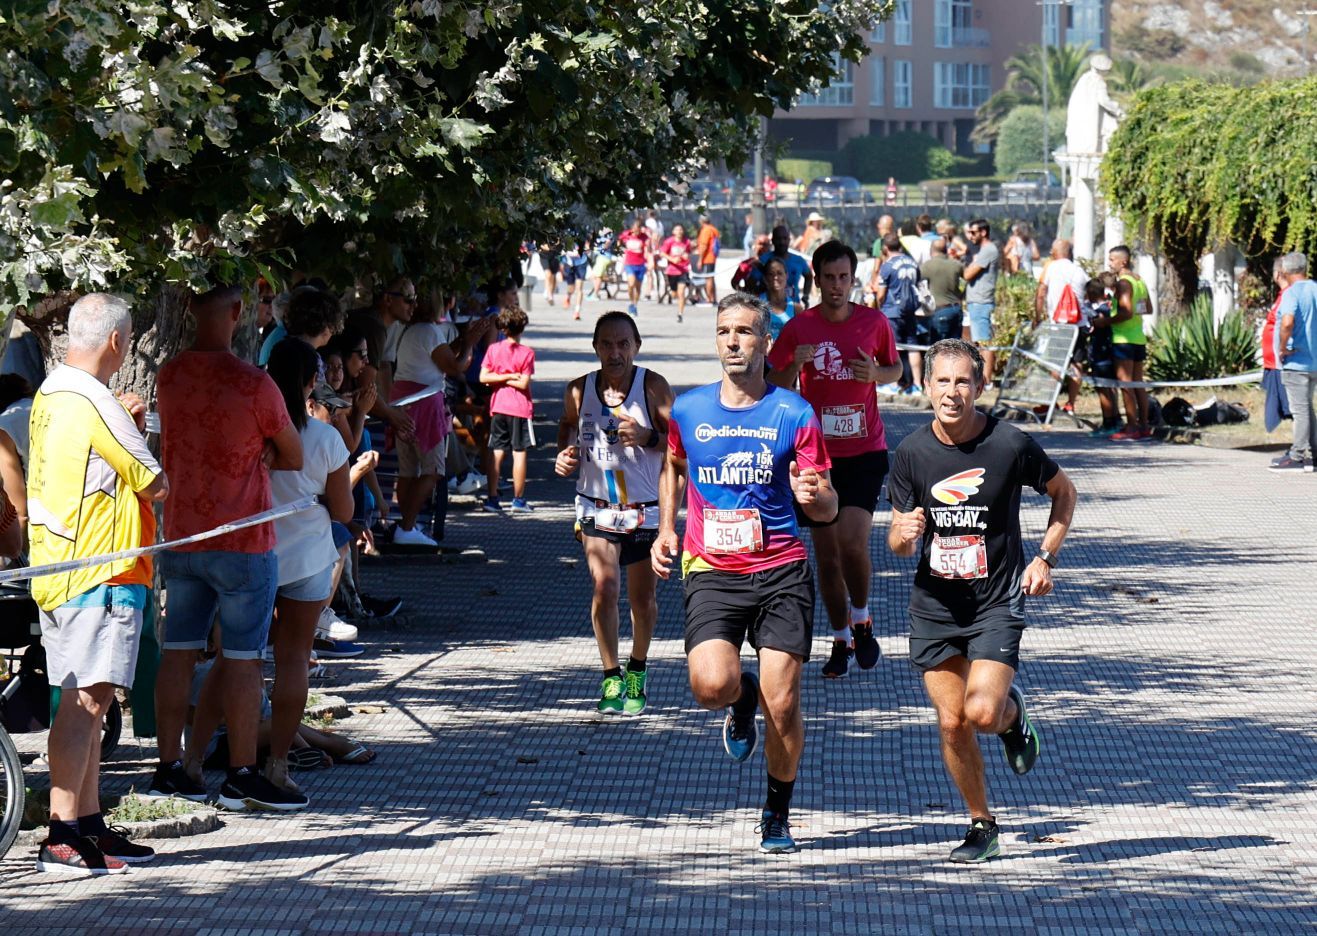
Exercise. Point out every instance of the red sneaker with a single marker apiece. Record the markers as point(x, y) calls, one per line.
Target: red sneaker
point(80, 857)
point(1127, 435)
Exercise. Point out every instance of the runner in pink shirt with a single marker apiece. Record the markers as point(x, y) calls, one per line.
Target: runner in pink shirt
point(636, 260)
point(677, 251)
point(838, 350)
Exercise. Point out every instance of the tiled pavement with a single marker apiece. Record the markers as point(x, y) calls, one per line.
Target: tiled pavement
point(1170, 676)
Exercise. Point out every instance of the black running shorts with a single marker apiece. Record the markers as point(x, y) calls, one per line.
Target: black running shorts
point(508, 433)
point(997, 639)
point(635, 545)
point(774, 608)
point(858, 480)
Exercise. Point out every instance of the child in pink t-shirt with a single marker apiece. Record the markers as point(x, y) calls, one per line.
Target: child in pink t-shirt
point(507, 367)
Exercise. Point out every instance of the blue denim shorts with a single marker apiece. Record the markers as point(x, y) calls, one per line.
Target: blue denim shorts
point(317, 587)
point(980, 320)
point(239, 586)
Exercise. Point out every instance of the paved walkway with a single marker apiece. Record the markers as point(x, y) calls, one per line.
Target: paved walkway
point(1171, 678)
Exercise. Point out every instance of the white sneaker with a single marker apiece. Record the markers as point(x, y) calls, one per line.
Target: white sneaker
point(412, 537)
point(890, 389)
point(468, 485)
point(333, 628)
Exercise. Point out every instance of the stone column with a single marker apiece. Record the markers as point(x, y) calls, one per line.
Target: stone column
point(1085, 218)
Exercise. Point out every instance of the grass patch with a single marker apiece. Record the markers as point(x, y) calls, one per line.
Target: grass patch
point(134, 808)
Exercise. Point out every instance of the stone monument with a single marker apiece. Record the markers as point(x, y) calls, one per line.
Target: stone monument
point(1091, 119)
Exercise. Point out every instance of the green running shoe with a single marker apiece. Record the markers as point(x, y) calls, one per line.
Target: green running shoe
point(610, 703)
point(634, 703)
point(1021, 740)
point(980, 843)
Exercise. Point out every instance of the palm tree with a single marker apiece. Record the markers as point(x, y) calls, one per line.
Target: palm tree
point(1024, 84)
point(1128, 76)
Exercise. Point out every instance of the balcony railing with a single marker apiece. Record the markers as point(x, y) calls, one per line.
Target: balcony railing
point(970, 37)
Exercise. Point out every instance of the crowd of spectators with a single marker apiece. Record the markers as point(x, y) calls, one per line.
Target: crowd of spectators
point(357, 426)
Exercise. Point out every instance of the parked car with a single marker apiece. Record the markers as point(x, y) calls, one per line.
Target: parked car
point(1031, 185)
point(708, 191)
point(845, 189)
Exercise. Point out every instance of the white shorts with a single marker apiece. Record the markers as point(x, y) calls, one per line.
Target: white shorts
point(94, 637)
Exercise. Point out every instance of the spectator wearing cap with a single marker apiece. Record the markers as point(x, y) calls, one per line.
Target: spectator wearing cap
point(90, 492)
point(223, 427)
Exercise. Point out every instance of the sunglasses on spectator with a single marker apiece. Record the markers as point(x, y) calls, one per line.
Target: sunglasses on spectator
point(362, 353)
point(410, 300)
point(266, 300)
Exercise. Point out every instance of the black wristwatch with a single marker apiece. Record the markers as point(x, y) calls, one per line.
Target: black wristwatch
point(653, 440)
point(1048, 557)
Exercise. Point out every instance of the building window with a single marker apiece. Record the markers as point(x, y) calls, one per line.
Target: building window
point(1085, 23)
point(1052, 21)
point(902, 72)
point(960, 85)
point(903, 30)
point(953, 23)
point(879, 32)
point(841, 93)
point(877, 80)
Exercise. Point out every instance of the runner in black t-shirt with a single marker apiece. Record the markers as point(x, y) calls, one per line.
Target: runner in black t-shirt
point(955, 492)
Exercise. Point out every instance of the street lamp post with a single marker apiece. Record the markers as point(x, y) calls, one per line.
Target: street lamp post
point(1046, 68)
point(758, 207)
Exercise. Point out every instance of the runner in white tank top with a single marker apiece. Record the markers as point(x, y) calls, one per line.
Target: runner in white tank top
point(614, 431)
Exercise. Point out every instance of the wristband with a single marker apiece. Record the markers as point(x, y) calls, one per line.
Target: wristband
point(1048, 557)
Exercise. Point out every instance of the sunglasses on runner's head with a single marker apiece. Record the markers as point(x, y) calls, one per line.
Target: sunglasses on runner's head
point(410, 300)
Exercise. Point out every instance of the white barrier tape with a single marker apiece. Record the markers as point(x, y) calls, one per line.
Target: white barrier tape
point(55, 568)
point(1250, 377)
point(419, 395)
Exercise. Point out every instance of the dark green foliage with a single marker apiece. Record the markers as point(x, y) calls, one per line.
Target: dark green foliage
point(1190, 346)
point(908, 156)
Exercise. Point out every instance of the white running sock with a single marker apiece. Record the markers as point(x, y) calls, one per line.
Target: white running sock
point(859, 615)
point(843, 634)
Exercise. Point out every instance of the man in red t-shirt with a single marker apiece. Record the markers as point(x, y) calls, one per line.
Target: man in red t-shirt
point(838, 350)
point(223, 426)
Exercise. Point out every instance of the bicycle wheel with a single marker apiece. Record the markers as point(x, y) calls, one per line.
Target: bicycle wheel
point(113, 728)
point(12, 792)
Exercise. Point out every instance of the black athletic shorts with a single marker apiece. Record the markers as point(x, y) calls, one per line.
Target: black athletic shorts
point(934, 642)
point(676, 279)
point(509, 433)
point(774, 608)
point(635, 545)
point(858, 480)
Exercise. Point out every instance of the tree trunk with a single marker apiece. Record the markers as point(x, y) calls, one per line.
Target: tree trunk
point(1181, 281)
point(161, 328)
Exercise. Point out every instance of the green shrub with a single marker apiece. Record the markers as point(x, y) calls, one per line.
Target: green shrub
point(1014, 311)
point(1020, 139)
point(788, 170)
point(908, 156)
point(1190, 346)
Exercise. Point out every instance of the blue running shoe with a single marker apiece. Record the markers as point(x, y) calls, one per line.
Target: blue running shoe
point(775, 834)
point(631, 308)
point(740, 732)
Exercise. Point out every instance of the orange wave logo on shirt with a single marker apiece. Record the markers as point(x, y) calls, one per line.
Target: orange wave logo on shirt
point(959, 487)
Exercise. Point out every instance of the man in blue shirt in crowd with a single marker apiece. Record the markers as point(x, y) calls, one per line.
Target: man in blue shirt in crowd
point(1296, 349)
point(897, 299)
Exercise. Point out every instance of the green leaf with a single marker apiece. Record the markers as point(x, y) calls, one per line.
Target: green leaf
point(59, 212)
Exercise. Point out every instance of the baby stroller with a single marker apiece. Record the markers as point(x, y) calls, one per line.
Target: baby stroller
point(25, 701)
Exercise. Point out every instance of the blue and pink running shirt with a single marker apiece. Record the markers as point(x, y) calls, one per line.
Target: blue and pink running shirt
point(739, 505)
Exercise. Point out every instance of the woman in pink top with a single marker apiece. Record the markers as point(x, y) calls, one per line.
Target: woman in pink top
point(507, 367)
point(677, 251)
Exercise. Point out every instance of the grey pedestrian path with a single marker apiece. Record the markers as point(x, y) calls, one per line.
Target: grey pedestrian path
point(1170, 676)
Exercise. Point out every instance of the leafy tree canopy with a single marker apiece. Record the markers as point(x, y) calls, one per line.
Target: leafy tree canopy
point(1198, 165)
point(203, 140)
